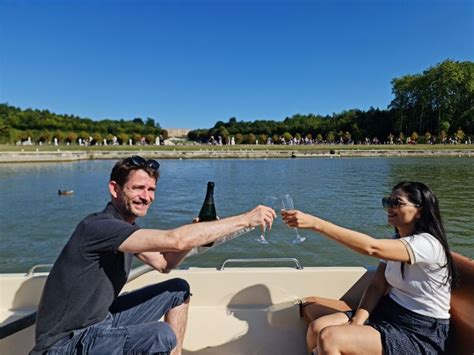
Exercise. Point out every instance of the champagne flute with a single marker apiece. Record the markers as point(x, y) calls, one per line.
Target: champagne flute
point(269, 201)
point(287, 204)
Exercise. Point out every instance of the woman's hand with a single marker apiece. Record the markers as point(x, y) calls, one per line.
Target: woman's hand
point(298, 219)
point(360, 317)
point(357, 321)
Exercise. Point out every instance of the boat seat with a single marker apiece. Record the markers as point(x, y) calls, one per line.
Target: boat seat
point(14, 320)
point(461, 339)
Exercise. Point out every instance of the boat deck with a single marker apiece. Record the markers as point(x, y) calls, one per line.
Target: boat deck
point(245, 310)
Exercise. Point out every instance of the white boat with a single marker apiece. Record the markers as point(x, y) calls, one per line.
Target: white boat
point(241, 310)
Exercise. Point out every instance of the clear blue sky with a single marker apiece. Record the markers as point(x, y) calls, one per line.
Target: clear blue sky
point(192, 63)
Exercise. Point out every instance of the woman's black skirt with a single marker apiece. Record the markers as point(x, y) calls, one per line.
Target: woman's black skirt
point(406, 332)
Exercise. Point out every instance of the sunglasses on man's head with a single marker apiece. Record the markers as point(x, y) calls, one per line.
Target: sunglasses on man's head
point(388, 202)
point(139, 162)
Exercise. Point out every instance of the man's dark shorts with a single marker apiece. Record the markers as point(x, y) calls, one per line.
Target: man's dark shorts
point(132, 325)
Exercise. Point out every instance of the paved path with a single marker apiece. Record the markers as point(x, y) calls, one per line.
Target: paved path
point(60, 155)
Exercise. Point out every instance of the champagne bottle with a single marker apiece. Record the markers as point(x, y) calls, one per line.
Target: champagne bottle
point(208, 209)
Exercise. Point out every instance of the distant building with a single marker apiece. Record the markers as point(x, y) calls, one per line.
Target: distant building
point(177, 132)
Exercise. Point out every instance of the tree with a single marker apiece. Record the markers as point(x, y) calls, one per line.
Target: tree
point(427, 137)
point(60, 135)
point(401, 136)
point(239, 138)
point(262, 139)
point(136, 138)
point(251, 138)
point(346, 137)
point(45, 137)
point(83, 135)
point(96, 139)
point(287, 136)
point(460, 136)
point(150, 139)
point(445, 125)
point(443, 136)
point(150, 122)
point(71, 137)
point(441, 93)
point(123, 138)
point(445, 81)
point(224, 133)
point(331, 137)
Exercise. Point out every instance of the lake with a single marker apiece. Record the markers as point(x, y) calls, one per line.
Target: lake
point(36, 222)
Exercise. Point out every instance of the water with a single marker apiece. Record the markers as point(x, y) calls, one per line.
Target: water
point(36, 222)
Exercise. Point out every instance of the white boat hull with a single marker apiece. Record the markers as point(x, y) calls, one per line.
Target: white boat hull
point(244, 310)
point(233, 311)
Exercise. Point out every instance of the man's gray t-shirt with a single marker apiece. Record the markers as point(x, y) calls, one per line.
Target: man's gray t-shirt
point(86, 278)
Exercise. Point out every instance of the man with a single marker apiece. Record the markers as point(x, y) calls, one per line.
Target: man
point(80, 310)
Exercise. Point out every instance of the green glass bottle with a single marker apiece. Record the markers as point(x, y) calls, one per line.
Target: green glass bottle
point(208, 209)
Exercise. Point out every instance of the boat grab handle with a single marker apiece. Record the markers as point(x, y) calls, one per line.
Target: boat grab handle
point(38, 266)
point(260, 260)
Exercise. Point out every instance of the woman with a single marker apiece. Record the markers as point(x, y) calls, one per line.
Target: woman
point(405, 309)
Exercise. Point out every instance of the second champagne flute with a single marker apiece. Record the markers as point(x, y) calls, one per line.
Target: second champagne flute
point(287, 204)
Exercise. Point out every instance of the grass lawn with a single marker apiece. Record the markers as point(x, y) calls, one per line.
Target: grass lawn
point(324, 147)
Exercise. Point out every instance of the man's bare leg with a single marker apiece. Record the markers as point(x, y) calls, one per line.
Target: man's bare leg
point(177, 318)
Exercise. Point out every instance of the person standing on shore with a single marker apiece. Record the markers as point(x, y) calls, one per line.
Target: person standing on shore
point(405, 309)
point(80, 310)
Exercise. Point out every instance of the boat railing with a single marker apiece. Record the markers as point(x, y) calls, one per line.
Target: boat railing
point(36, 267)
point(261, 260)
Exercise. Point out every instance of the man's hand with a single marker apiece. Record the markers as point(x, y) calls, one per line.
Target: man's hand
point(260, 215)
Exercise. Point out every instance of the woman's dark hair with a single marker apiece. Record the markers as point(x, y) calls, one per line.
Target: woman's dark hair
point(430, 220)
point(121, 171)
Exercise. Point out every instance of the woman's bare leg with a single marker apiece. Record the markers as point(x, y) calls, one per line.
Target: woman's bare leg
point(319, 324)
point(349, 339)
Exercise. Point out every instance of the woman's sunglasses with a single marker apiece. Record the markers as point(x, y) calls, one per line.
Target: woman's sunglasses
point(139, 162)
point(388, 202)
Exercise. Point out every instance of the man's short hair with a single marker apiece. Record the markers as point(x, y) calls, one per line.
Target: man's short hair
point(121, 171)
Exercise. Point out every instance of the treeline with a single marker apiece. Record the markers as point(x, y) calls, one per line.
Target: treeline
point(434, 106)
point(17, 125)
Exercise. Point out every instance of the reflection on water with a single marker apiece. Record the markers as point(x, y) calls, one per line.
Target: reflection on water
point(36, 222)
